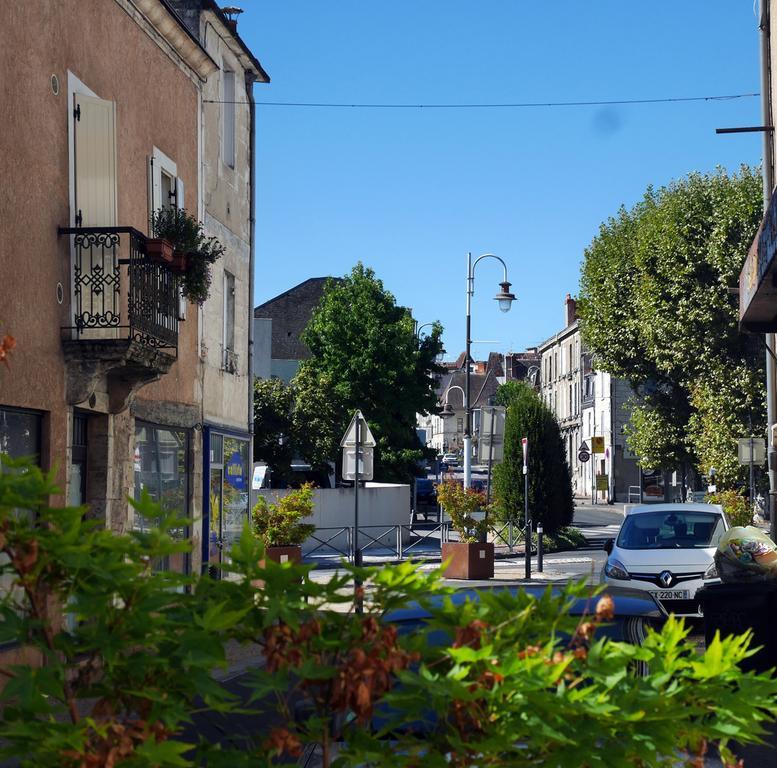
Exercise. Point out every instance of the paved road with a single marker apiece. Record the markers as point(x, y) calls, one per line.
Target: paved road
point(598, 522)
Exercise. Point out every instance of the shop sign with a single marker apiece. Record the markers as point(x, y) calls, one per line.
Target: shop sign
point(235, 473)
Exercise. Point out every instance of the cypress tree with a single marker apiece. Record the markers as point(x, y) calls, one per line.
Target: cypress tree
point(550, 482)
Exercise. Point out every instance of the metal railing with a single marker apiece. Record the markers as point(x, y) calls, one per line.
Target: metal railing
point(634, 494)
point(339, 541)
point(118, 291)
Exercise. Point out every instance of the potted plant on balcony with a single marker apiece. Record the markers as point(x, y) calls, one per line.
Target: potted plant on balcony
point(277, 524)
point(469, 558)
point(192, 252)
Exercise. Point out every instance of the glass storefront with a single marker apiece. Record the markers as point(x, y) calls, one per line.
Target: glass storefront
point(228, 475)
point(161, 464)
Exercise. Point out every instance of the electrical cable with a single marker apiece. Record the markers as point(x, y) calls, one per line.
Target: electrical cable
point(508, 105)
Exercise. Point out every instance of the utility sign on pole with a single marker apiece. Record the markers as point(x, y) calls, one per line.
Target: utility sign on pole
point(366, 444)
point(357, 444)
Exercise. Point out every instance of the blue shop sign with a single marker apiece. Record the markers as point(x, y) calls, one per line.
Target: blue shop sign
point(235, 472)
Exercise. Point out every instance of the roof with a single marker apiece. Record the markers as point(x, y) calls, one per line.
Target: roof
point(210, 5)
point(483, 387)
point(674, 507)
point(187, 14)
point(312, 284)
point(568, 331)
point(290, 313)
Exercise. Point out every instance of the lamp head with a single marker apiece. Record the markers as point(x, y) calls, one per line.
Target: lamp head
point(447, 411)
point(504, 297)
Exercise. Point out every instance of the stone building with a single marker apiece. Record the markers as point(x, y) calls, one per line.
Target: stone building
point(446, 435)
point(107, 378)
point(560, 385)
point(226, 319)
point(278, 325)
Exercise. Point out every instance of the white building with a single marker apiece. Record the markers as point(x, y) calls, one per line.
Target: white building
point(605, 412)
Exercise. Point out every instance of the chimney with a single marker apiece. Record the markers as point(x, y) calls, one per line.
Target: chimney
point(570, 306)
point(231, 13)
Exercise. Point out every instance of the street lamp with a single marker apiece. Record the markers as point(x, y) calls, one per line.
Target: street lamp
point(447, 410)
point(505, 299)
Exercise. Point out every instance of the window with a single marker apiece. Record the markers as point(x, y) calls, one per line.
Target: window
point(229, 118)
point(161, 468)
point(78, 451)
point(20, 433)
point(459, 425)
point(166, 189)
point(230, 358)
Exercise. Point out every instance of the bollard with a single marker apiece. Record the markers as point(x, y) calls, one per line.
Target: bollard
point(539, 548)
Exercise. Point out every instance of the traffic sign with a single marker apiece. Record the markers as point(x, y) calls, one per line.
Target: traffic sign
point(584, 447)
point(583, 455)
point(366, 440)
point(597, 445)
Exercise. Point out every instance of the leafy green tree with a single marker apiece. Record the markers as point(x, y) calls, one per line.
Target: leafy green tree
point(274, 442)
point(365, 355)
point(550, 482)
point(655, 308)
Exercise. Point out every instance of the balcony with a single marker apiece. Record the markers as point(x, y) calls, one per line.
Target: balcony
point(124, 310)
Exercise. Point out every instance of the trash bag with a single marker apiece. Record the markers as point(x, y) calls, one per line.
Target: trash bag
point(746, 555)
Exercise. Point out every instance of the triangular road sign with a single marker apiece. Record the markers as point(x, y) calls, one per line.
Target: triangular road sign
point(584, 447)
point(366, 440)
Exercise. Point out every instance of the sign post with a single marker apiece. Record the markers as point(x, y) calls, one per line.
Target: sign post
point(527, 520)
point(357, 444)
point(597, 446)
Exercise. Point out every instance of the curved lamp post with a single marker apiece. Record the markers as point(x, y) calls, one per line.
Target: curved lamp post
point(447, 410)
point(505, 299)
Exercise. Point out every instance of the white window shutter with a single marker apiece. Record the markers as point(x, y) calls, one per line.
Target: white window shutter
point(179, 199)
point(95, 161)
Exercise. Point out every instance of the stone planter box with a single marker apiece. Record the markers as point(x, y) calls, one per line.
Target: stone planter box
point(468, 561)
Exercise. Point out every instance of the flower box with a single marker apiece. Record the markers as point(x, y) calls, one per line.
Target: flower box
point(160, 250)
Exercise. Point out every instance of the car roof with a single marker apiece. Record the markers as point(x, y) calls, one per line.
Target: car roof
point(677, 507)
point(628, 601)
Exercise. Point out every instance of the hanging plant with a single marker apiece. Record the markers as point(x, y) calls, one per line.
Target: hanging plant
point(193, 252)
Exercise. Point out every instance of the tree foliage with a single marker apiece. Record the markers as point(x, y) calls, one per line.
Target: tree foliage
point(365, 355)
point(655, 309)
point(506, 679)
point(550, 482)
point(274, 439)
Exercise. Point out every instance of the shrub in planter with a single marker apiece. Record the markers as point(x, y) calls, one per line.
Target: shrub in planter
point(735, 505)
point(277, 524)
point(193, 251)
point(469, 559)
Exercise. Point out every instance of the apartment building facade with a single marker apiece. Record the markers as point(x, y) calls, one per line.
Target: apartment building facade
point(560, 386)
point(108, 382)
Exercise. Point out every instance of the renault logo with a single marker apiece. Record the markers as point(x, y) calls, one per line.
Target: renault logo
point(666, 578)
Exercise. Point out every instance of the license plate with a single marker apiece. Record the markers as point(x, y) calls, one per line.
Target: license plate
point(672, 594)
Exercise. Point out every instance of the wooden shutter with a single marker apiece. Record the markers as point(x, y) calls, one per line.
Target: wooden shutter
point(95, 161)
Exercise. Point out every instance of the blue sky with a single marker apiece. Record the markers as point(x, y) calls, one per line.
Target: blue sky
point(409, 192)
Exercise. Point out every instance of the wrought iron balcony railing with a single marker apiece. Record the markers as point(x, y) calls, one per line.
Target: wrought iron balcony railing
point(117, 292)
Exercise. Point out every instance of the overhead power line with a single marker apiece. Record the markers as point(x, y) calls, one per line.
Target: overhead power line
point(505, 105)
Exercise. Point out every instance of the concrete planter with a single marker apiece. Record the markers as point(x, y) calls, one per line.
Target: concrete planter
point(468, 561)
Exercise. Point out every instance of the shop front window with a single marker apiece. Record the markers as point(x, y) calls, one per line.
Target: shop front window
point(228, 505)
point(161, 464)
